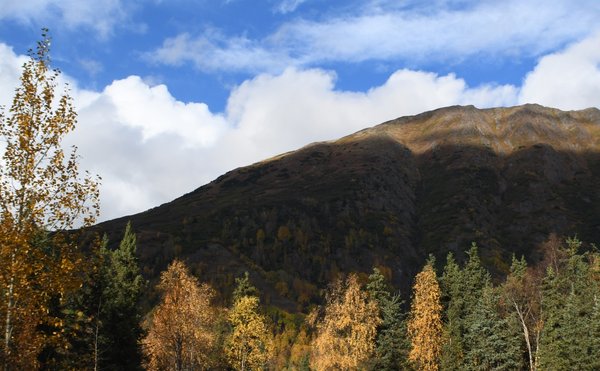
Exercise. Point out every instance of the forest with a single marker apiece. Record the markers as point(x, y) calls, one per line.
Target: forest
point(67, 307)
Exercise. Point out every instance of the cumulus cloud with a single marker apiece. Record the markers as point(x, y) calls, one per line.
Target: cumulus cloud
point(384, 31)
point(569, 79)
point(150, 147)
point(99, 15)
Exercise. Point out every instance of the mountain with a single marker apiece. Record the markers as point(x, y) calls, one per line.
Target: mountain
point(387, 196)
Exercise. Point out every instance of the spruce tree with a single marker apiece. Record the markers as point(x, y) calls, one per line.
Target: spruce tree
point(392, 345)
point(451, 284)
point(121, 312)
point(494, 342)
point(462, 290)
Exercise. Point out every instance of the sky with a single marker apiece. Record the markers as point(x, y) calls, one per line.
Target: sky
point(170, 94)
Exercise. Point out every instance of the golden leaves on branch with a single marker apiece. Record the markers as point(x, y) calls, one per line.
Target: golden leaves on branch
point(181, 334)
point(346, 335)
point(41, 195)
point(425, 321)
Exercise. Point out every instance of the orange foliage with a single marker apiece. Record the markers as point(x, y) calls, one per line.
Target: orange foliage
point(425, 321)
point(181, 333)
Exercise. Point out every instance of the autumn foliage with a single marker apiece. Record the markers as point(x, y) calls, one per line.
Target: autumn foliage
point(181, 334)
point(425, 321)
point(41, 194)
point(346, 335)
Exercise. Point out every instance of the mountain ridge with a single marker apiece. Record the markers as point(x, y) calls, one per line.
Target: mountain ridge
point(386, 196)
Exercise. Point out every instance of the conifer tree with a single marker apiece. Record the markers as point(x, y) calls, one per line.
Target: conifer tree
point(121, 313)
point(462, 290)
point(391, 352)
point(452, 289)
point(494, 341)
point(568, 306)
point(346, 335)
point(425, 327)
point(243, 287)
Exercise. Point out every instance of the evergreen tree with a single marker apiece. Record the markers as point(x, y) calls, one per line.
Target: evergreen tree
point(462, 290)
point(495, 342)
point(391, 352)
point(451, 284)
point(103, 317)
point(568, 306)
point(122, 317)
point(243, 287)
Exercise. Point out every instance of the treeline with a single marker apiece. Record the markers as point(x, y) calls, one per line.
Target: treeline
point(542, 317)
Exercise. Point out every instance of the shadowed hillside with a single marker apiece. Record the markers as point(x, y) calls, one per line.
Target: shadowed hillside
point(386, 196)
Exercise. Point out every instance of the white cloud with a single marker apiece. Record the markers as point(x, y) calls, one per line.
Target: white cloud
point(150, 148)
point(10, 70)
point(569, 79)
point(99, 15)
point(382, 31)
point(213, 51)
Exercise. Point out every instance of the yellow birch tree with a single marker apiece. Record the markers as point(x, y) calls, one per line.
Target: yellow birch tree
point(250, 344)
point(181, 334)
point(346, 335)
point(41, 194)
point(425, 321)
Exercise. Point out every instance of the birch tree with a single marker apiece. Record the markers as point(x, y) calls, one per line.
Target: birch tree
point(181, 334)
point(41, 194)
point(346, 335)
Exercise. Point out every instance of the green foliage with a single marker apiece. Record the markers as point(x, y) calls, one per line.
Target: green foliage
point(392, 345)
point(243, 288)
point(494, 341)
point(105, 315)
point(462, 289)
point(569, 295)
point(124, 285)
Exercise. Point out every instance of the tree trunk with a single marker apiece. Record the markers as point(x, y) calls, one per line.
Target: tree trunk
point(10, 304)
point(532, 365)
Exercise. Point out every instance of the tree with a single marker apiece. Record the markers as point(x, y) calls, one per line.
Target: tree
point(462, 290)
point(425, 326)
point(119, 308)
point(391, 352)
point(494, 342)
point(346, 335)
point(243, 287)
point(250, 344)
point(41, 194)
point(181, 333)
point(568, 304)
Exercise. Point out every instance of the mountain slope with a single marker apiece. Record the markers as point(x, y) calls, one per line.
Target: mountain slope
point(387, 196)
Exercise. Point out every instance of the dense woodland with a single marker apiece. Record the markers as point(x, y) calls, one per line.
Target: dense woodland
point(68, 308)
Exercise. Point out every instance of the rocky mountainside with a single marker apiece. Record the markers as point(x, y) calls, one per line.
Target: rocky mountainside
point(386, 196)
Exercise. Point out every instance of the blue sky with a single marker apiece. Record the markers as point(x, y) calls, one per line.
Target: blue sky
point(171, 94)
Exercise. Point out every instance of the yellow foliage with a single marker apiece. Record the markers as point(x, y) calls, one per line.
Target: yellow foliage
point(181, 333)
point(250, 345)
point(41, 191)
point(425, 321)
point(346, 335)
